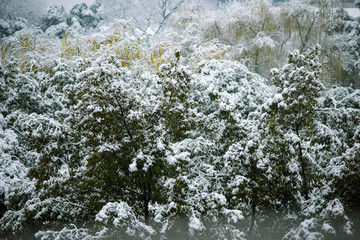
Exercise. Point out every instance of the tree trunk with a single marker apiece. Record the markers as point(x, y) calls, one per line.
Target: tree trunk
point(303, 168)
point(147, 197)
point(303, 173)
point(256, 63)
point(146, 209)
point(253, 215)
point(254, 197)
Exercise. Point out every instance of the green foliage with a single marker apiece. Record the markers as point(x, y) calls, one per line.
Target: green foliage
point(290, 117)
point(120, 134)
point(299, 87)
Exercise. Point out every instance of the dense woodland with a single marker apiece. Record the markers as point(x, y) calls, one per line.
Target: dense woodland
point(176, 119)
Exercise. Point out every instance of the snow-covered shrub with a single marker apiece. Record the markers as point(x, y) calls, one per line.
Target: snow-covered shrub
point(56, 15)
point(15, 187)
point(9, 27)
point(69, 232)
point(82, 16)
point(120, 216)
point(167, 134)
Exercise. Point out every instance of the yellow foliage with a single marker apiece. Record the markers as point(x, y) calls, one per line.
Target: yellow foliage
point(22, 44)
point(127, 52)
point(158, 56)
point(5, 50)
point(26, 43)
point(114, 38)
point(67, 48)
point(208, 51)
point(118, 33)
point(26, 48)
point(270, 25)
point(121, 42)
point(93, 45)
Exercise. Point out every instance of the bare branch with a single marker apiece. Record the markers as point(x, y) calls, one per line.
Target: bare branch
point(299, 27)
point(252, 30)
point(166, 16)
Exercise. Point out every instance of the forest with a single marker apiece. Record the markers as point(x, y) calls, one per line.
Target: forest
point(179, 119)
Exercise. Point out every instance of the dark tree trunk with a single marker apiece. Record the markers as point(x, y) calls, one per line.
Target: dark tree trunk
point(303, 168)
point(253, 215)
point(254, 196)
point(256, 63)
point(146, 209)
point(147, 197)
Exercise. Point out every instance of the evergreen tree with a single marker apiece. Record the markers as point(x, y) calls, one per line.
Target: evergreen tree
point(123, 135)
point(290, 117)
point(115, 134)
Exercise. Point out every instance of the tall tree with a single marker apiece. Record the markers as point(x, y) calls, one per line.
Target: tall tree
point(290, 117)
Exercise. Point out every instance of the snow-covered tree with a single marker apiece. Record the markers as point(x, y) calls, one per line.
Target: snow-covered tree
point(301, 150)
point(55, 15)
point(344, 41)
point(152, 127)
point(15, 188)
point(32, 11)
point(9, 27)
point(291, 115)
point(145, 15)
point(82, 16)
point(122, 134)
point(338, 151)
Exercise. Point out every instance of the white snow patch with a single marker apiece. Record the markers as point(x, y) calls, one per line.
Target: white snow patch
point(195, 224)
point(354, 12)
point(133, 166)
point(335, 207)
point(328, 228)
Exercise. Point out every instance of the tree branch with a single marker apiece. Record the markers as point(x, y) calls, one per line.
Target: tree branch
point(70, 203)
point(122, 114)
point(252, 30)
point(166, 16)
point(337, 109)
point(300, 32)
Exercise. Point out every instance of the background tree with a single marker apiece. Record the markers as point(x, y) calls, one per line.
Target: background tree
point(32, 11)
point(144, 14)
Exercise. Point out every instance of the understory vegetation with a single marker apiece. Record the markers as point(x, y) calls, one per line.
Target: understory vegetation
point(175, 119)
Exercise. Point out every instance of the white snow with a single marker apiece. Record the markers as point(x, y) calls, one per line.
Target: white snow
point(354, 12)
point(195, 223)
point(133, 166)
point(328, 228)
